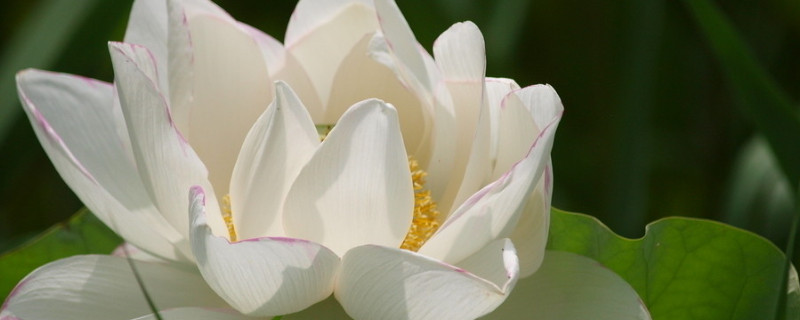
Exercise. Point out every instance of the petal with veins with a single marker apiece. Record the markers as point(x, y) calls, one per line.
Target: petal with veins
point(387, 283)
point(492, 212)
point(282, 140)
point(77, 125)
point(104, 287)
point(167, 164)
point(264, 276)
point(356, 189)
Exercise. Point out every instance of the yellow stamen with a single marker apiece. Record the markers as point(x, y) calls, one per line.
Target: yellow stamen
point(426, 216)
point(227, 216)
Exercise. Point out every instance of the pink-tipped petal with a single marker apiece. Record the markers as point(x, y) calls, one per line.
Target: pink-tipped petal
point(167, 164)
point(83, 132)
point(496, 90)
point(356, 189)
point(494, 211)
point(265, 276)
point(147, 26)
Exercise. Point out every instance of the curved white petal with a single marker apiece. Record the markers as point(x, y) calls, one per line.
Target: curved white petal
point(77, 124)
point(460, 55)
point(230, 89)
point(493, 212)
point(282, 140)
point(572, 287)
point(496, 91)
point(147, 26)
point(167, 164)
point(311, 15)
point(530, 234)
point(401, 41)
point(329, 27)
point(285, 67)
point(180, 54)
point(522, 114)
point(387, 283)
point(265, 276)
point(104, 287)
point(356, 189)
point(359, 78)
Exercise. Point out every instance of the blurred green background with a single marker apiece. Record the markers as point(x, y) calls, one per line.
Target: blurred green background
point(654, 125)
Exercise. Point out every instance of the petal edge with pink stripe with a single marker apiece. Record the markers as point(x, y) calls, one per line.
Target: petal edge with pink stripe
point(263, 276)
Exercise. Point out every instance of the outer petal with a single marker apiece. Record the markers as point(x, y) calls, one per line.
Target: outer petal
point(493, 212)
point(569, 286)
point(78, 126)
point(279, 144)
point(530, 234)
point(197, 314)
point(229, 88)
point(261, 277)
point(460, 55)
point(388, 283)
point(523, 113)
point(167, 164)
point(104, 287)
point(356, 189)
point(329, 27)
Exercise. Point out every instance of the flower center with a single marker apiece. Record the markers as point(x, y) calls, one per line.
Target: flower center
point(227, 216)
point(426, 217)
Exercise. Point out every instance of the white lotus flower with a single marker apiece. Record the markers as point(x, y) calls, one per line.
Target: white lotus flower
point(429, 203)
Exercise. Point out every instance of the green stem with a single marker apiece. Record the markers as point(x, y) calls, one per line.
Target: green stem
point(141, 284)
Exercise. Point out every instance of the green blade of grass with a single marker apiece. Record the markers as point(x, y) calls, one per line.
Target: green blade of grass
point(37, 43)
